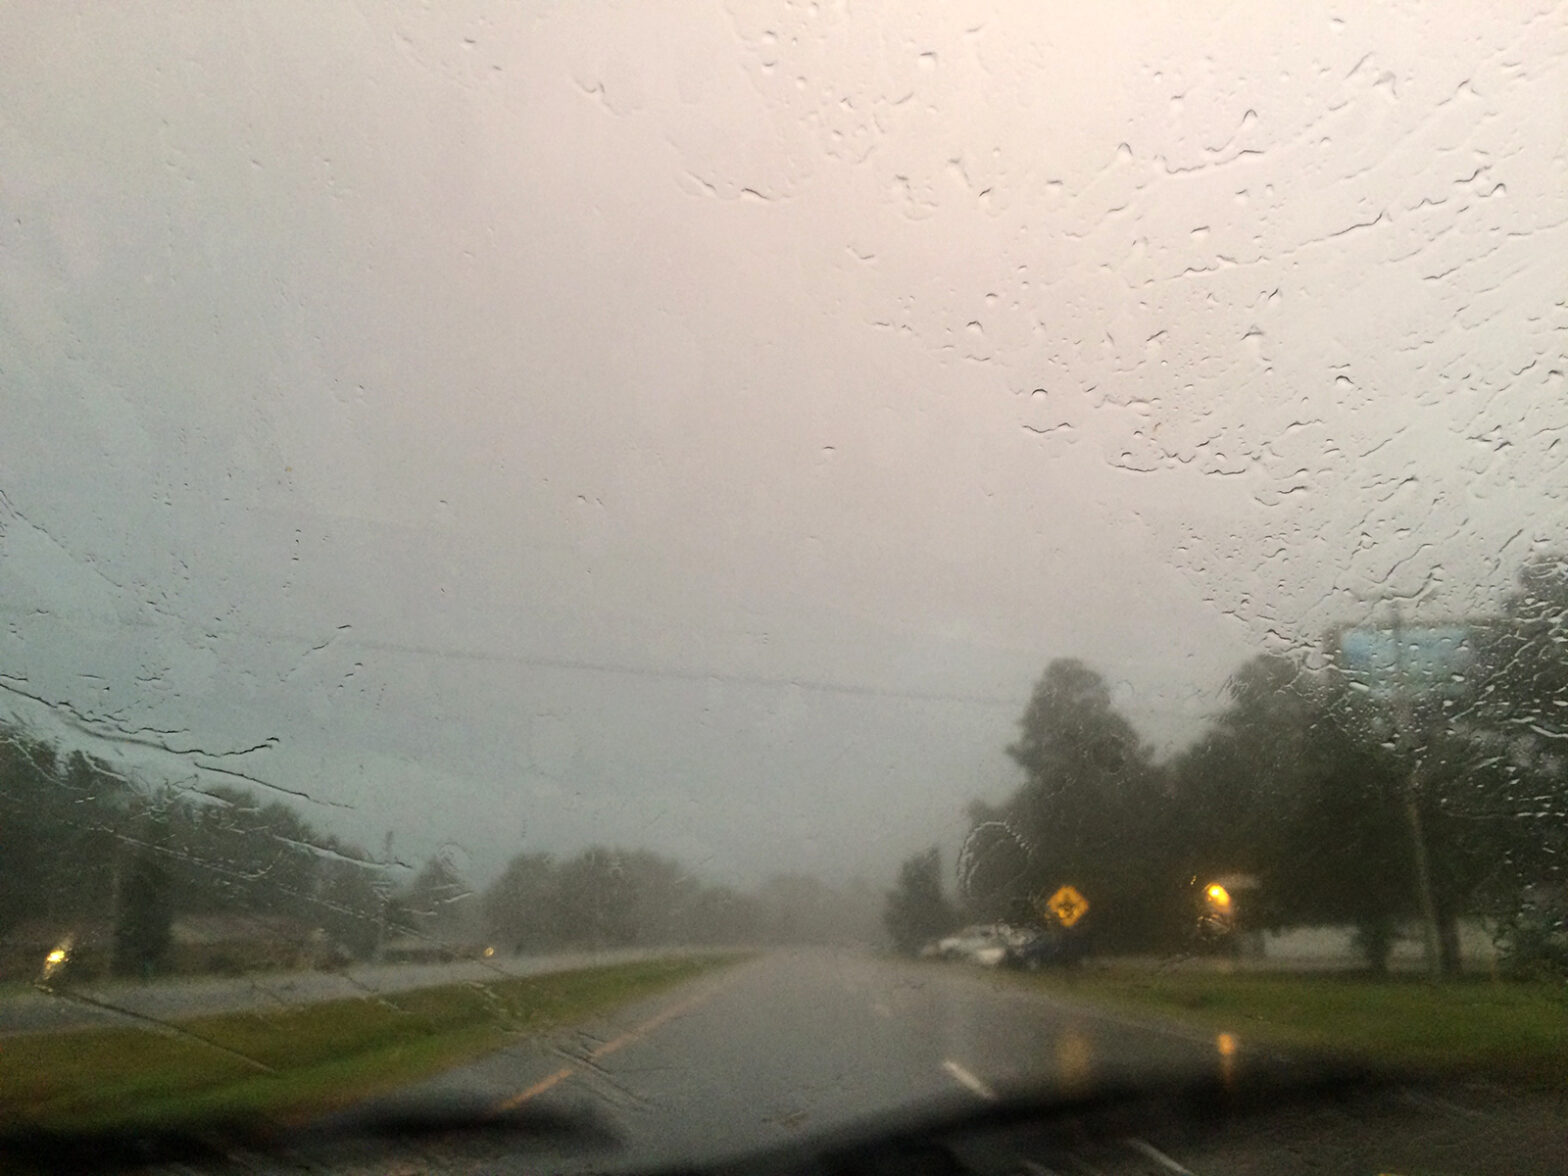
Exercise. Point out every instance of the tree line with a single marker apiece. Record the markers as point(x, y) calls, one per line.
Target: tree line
point(605, 897)
point(82, 846)
point(1346, 804)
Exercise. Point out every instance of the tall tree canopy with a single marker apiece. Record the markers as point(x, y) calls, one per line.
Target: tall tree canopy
point(1327, 789)
point(1088, 813)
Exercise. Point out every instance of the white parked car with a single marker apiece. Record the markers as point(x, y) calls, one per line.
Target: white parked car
point(986, 944)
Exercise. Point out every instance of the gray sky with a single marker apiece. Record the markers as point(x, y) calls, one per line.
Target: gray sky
point(697, 426)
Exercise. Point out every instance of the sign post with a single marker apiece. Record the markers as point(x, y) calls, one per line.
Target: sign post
point(1402, 723)
point(1395, 663)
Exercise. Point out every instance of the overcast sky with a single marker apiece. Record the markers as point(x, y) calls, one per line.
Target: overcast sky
point(696, 426)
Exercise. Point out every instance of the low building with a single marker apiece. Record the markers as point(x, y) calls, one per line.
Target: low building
point(225, 943)
point(237, 943)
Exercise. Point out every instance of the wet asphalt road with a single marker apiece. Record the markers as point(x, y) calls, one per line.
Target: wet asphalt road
point(792, 1046)
point(802, 1042)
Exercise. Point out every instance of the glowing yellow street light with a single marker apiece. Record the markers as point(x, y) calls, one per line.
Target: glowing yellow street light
point(1218, 895)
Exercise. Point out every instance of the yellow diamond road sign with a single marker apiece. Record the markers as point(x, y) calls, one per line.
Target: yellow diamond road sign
point(1067, 905)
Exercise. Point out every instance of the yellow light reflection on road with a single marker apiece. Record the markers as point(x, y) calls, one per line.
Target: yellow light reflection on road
point(1227, 1046)
point(1074, 1060)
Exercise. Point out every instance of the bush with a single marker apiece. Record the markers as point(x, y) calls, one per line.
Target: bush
point(1532, 939)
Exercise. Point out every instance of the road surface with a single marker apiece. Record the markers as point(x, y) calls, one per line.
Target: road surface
point(792, 1045)
point(126, 1002)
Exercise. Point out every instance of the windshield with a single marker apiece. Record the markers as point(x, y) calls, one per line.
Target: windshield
point(756, 565)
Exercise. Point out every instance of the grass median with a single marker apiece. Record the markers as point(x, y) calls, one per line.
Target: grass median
point(300, 1061)
point(1514, 1032)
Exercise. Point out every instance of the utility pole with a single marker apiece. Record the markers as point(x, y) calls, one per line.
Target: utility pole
point(1405, 727)
point(384, 895)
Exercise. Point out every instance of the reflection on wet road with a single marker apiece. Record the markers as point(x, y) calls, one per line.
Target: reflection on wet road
point(791, 1046)
point(798, 1043)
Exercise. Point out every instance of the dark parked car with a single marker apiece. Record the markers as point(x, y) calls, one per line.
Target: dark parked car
point(1046, 949)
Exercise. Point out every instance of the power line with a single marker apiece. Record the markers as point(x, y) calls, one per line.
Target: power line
point(344, 636)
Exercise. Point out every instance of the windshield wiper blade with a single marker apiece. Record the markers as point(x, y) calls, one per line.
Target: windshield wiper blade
point(945, 1137)
point(215, 1142)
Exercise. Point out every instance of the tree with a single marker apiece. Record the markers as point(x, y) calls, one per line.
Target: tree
point(594, 900)
point(1520, 718)
point(616, 897)
point(1090, 812)
point(916, 910)
point(659, 892)
point(1229, 786)
point(230, 852)
point(1341, 851)
point(613, 897)
point(1514, 813)
point(144, 923)
point(58, 817)
point(1472, 775)
point(347, 898)
point(519, 906)
point(82, 845)
point(439, 901)
point(1072, 743)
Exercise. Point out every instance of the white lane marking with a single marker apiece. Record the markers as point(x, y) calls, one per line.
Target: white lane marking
point(1035, 1169)
point(967, 1080)
point(1155, 1154)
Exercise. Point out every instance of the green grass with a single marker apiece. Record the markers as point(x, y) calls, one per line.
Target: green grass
point(299, 1061)
point(1516, 1032)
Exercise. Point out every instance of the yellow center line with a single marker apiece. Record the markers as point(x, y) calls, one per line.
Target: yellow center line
point(535, 1090)
point(635, 1033)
